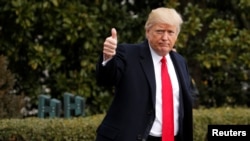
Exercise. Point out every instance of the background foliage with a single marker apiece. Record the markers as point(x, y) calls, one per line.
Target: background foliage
point(52, 45)
point(7, 81)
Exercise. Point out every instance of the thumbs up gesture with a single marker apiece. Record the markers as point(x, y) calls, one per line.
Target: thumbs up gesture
point(110, 45)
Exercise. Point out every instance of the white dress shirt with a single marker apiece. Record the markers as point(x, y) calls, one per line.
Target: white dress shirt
point(156, 129)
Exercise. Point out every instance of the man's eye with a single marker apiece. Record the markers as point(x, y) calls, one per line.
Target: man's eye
point(171, 33)
point(160, 31)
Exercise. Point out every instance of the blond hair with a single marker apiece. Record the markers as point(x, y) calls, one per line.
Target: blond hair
point(164, 15)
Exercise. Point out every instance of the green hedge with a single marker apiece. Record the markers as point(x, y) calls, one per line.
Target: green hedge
point(218, 116)
point(57, 129)
point(76, 129)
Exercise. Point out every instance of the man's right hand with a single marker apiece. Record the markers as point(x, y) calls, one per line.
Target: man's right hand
point(110, 45)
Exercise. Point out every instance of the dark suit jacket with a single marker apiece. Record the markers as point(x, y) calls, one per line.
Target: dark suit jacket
point(132, 111)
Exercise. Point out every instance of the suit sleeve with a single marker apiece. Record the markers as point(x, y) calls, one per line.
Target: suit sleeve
point(110, 74)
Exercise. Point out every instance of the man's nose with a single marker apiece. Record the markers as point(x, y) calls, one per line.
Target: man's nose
point(165, 36)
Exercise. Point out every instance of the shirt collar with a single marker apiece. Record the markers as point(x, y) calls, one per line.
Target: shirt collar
point(156, 57)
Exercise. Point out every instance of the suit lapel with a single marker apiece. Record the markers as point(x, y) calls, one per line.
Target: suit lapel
point(178, 71)
point(148, 68)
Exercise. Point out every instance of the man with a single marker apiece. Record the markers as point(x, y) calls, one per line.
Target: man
point(138, 111)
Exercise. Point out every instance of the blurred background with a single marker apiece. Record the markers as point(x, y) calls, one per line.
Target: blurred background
point(51, 46)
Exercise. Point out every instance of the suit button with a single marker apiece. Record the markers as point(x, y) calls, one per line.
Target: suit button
point(150, 112)
point(139, 137)
point(151, 122)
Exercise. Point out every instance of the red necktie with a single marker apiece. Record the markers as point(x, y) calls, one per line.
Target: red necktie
point(167, 104)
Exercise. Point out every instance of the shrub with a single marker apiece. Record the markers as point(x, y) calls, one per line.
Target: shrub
point(83, 128)
point(10, 104)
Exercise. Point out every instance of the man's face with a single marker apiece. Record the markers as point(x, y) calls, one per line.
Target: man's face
point(162, 38)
